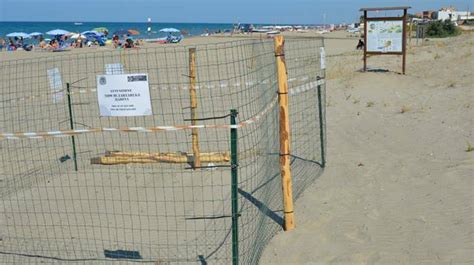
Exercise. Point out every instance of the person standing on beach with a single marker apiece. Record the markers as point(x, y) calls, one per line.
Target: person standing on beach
point(360, 45)
point(11, 45)
point(115, 40)
point(2, 44)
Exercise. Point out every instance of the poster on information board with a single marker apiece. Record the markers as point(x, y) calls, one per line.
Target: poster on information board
point(385, 36)
point(123, 95)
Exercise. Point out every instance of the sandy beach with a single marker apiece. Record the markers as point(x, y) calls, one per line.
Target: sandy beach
point(397, 187)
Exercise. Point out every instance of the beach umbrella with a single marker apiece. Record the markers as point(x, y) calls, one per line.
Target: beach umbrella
point(18, 35)
point(92, 33)
point(126, 32)
point(121, 32)
point(57, 32)
point(36, 34)
point(133, 32)
point(101, 29)
point(78, 36)
point(170, 30)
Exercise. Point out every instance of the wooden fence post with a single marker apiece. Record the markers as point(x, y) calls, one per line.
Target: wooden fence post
point(284, 134)
point(193, 97)
point(404, 40)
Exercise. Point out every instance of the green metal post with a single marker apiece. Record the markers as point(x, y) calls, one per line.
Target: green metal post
point(71, 123)
point(234, 187)
point(321, 125)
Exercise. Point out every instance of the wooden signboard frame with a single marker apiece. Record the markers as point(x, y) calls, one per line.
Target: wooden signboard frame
point(404, 33)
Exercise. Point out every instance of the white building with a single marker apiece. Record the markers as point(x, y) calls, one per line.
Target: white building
point(452, 15)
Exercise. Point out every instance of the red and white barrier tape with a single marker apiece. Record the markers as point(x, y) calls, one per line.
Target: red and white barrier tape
point(64, 133)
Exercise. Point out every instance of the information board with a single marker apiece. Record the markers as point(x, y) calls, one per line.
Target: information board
point(124, 95)
point(385, 36)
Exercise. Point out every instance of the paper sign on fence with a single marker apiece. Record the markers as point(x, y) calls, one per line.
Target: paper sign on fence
point(124, 95)
point(323, 58)
point(56, 85)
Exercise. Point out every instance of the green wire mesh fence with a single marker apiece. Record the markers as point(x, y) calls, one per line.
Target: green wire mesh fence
point(126, 189)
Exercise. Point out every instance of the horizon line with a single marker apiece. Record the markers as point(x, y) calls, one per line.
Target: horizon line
point(42, 21)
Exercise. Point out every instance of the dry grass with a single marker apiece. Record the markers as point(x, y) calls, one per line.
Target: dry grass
point(405, 109)
point(469, 147)
point(441, 44)
point(370, 104)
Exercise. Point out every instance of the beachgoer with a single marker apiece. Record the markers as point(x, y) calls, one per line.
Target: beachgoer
point(360, 45)
point(55, 44)
point(3, 44)
point(27, 47)
point(19, 42)
point(128, 44)
point(42, 44)
point(116, 41)
point(11, 45)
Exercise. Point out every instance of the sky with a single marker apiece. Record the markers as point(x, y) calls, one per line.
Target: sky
point(211, 11)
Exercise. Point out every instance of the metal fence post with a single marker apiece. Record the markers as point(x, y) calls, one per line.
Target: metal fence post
point(321, 124)
point(234, 188)
point(71, 123)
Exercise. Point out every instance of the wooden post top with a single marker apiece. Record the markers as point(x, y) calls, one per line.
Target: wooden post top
point(279, 40)
point(384, 8)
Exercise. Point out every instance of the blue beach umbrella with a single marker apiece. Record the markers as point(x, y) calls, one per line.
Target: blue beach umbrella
point(36, 34)
point(57, 32)
point(91, 32)
point(171, 30)
point(18, 35)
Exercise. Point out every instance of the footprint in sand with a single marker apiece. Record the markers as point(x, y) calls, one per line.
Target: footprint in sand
point(359, 235)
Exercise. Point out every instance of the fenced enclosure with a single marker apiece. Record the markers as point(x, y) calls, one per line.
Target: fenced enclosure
point(191, 183)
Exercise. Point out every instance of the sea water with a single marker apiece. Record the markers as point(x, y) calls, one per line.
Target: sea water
point(192, 29)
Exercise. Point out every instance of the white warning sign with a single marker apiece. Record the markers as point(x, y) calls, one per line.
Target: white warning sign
point(124, 95)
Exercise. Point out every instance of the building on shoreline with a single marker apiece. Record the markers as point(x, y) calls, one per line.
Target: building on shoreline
point(446, 13)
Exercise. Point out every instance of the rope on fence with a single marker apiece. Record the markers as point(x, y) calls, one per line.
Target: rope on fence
point(64, 133)
point(152, 87)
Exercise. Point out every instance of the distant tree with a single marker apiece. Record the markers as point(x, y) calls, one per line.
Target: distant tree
point(449, 27)
point(442, 29)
